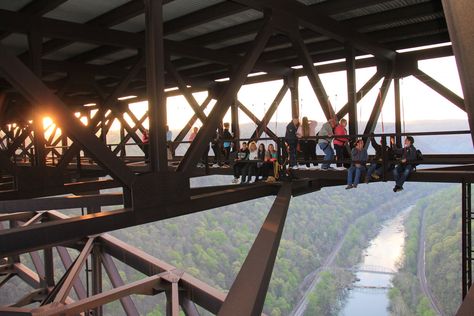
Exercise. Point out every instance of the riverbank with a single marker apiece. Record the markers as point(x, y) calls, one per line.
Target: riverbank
point(368, 295)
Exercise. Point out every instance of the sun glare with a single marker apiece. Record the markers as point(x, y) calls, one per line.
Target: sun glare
point(47, 121)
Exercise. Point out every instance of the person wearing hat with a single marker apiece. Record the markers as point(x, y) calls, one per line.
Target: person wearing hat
point(405, 166)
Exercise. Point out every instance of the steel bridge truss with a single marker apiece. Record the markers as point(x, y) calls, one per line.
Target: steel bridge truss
point(34, 166)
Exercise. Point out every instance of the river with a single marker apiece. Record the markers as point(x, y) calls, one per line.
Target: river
point(382, 255)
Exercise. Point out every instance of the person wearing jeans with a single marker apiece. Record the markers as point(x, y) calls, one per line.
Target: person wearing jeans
point(326, 132)
point(359, 157)
point(305, 130)
point(292, 140)
point(340, 142)
point(405, 167)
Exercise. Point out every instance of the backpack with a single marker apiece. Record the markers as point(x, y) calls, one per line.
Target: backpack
point(419, 157)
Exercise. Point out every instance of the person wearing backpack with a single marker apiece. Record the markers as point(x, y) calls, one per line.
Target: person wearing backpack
point(292, 140)
point(406, 165)
point(325, 141)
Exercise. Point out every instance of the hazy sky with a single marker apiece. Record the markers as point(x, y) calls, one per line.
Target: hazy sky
point(418, 101)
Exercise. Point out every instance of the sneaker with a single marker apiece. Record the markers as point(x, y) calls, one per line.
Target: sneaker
point(349, 186)
point(340, 168)
point(235, 181)
point(215, 165)
point(225, 166)
point(295, 168)
point(375, 176)
point(200, 165)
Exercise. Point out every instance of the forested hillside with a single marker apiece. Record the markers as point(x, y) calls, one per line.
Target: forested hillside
point(212, 245)
point(442, 252)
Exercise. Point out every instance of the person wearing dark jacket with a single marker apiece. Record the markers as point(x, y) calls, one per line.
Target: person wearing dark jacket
point(227, 141)
point(240, 161)
point(292, 141)
point(358, 160)
point(216, 148)
point(376, 166)
point(405, 166)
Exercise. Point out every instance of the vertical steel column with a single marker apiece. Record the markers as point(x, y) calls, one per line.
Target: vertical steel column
point(351, 90)
point(466, 238)
point(122, 137)
point(156, 84)
point(247, 294)
point(35, 43)
point(39, 141)
point(398, 116)
point(49, 266)
point(458, 16)
point(292, 82)
point(234, 112)
point(96, 266)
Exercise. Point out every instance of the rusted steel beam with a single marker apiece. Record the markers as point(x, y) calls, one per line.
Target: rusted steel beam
point(439, 88)
point(247, 294)
point(37, 93)
point(143, 287)
point(114, 276)
point(74, 272)
point(67, 263)
point(226, 98)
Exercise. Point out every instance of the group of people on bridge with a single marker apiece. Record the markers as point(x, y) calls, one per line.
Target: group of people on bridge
point(253, 162)
point(351, 154)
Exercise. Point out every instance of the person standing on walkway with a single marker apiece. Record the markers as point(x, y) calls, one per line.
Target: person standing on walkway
point(340, 142)
point(326, 133)
point(305, 130)
point(292, 140)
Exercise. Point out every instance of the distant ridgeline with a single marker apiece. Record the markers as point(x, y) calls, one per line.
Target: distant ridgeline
point(443, 257)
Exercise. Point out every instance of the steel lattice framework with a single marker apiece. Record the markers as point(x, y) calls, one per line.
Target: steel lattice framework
point(84, 60)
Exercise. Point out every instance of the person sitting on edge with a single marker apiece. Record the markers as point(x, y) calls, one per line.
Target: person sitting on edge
point(359, 158)
point(261, 157)
point(340, 142)
point(326, 132)
point(376, 166)
point(242, 156)
point(250, 168)
point(227, 141)
point(292, 140)
point(268, 168)
point(405, 166)
point(308, 129)
point(193, 134)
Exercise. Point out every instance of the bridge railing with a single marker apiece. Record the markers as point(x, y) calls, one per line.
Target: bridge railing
point(55, 152)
